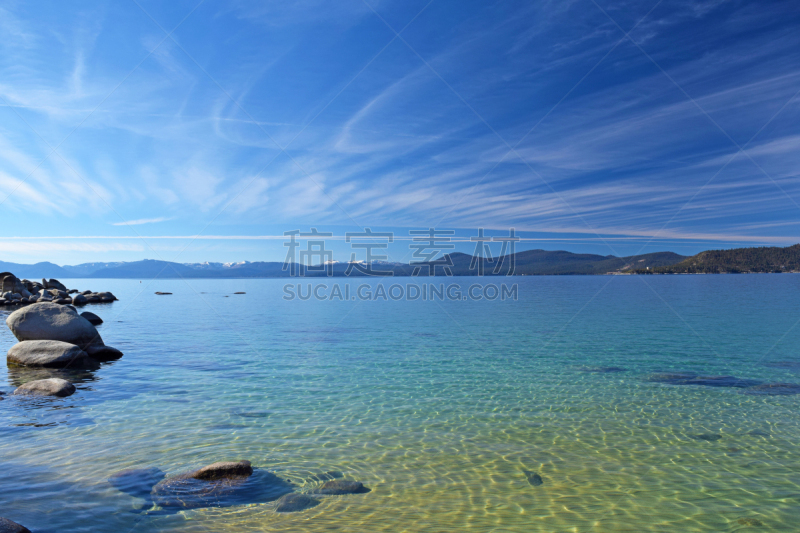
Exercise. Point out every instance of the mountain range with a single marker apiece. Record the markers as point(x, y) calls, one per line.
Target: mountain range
point(529, 262)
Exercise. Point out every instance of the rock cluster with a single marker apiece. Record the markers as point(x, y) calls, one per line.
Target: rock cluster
point(19, 292)
point(227, 483)
point(54, 336)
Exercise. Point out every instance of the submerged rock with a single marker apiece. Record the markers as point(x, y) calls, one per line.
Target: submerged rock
point(47, 353)
point(103, 353)
point(137, 482)
point(602, 369)
point(7, 526)
point(341, 486)
point(294, 502)
point(92, 318)
point(224, 469)
point(187, 491)
point(755, 522)
point(46, 387)
point(687, 378)
point(708, 437)
point(533, 478)
point(774, 389)
point(49, 321)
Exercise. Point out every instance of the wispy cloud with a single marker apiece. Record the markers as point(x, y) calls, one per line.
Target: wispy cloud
point(141, 221)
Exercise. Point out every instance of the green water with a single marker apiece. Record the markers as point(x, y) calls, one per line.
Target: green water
point(438, 407)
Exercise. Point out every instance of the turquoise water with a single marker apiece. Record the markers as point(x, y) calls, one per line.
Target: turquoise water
point(438, 407)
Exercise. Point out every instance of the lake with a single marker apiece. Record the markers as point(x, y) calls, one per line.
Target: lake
point(439, 407)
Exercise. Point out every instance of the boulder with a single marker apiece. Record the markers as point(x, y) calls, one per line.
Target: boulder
point(187, 491)
point(72, 291)
point(103, 353)
point(92, 318)
point(86, 292)
point(49, 321)
point(46, 387)
point(224, 469)
point(341, 486)
point(63, 301)
point(79, 299)
point(294, 502)
point(7, 526)
point(163, 293)
point(46, 353)
point(54, 284)
point(106, 296)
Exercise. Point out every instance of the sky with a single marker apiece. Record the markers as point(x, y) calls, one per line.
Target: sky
point(196, 131)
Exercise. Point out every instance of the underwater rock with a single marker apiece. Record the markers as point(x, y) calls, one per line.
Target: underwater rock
point(294, 502)
point(137, 482)
point(792, 365)
point(774, 389)
point(7, 526)
point(46, 387)
point(186, 491)
point(602, 369)
point(341, 486)
point(688, 378)
point(708, 437)
point(755, 522)
point(533, 478)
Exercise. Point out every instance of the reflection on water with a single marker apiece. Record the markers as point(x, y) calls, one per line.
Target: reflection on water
point(545, 414)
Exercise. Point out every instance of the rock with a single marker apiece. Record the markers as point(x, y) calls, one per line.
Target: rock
point(54, 284)
point(46, 387)
point(92, 318)
point(755, 522)
point(72, 291)
point(106, 296)
point(686, 378)
point(186, 491)
point(163, 293)
point(294, 502)
point(774, 389)
point(86, 292)
point(224, 469)
point(48, 321)
point(239, 293)
point(92, 299)
point(708, 437)
point(137, 482)
point(79, 299)
point(533, 478)
point(103, 353)
point(63, 301)
point(46, 353)
point(7, 526)
point(341, 486)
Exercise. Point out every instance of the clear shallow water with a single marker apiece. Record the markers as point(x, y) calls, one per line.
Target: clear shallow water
point(438, 407)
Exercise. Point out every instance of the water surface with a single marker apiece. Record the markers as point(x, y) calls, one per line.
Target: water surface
point(443, 409)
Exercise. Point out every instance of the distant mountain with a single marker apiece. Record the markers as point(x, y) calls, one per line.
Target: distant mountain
point(87, 269)
point(737, 260)
point(34, 272)
point(530, 262)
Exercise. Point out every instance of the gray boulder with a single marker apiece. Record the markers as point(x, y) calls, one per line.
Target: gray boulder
point(223, 469)
point(92, 318)
point(49, 321)
point(294, 502)
point(55, 284)
point(46, 387)
point(86, 292)
point(79, 299)
point(103, 353)
point(7, 526)
point(46, 353)
point(341, 486)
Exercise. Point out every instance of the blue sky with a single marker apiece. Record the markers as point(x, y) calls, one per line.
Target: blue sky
point(195, 131)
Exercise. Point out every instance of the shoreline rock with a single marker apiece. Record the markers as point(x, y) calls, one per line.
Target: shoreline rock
point(50, 321)
point(46, 353)
point(9, 526)
point(46, 387)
